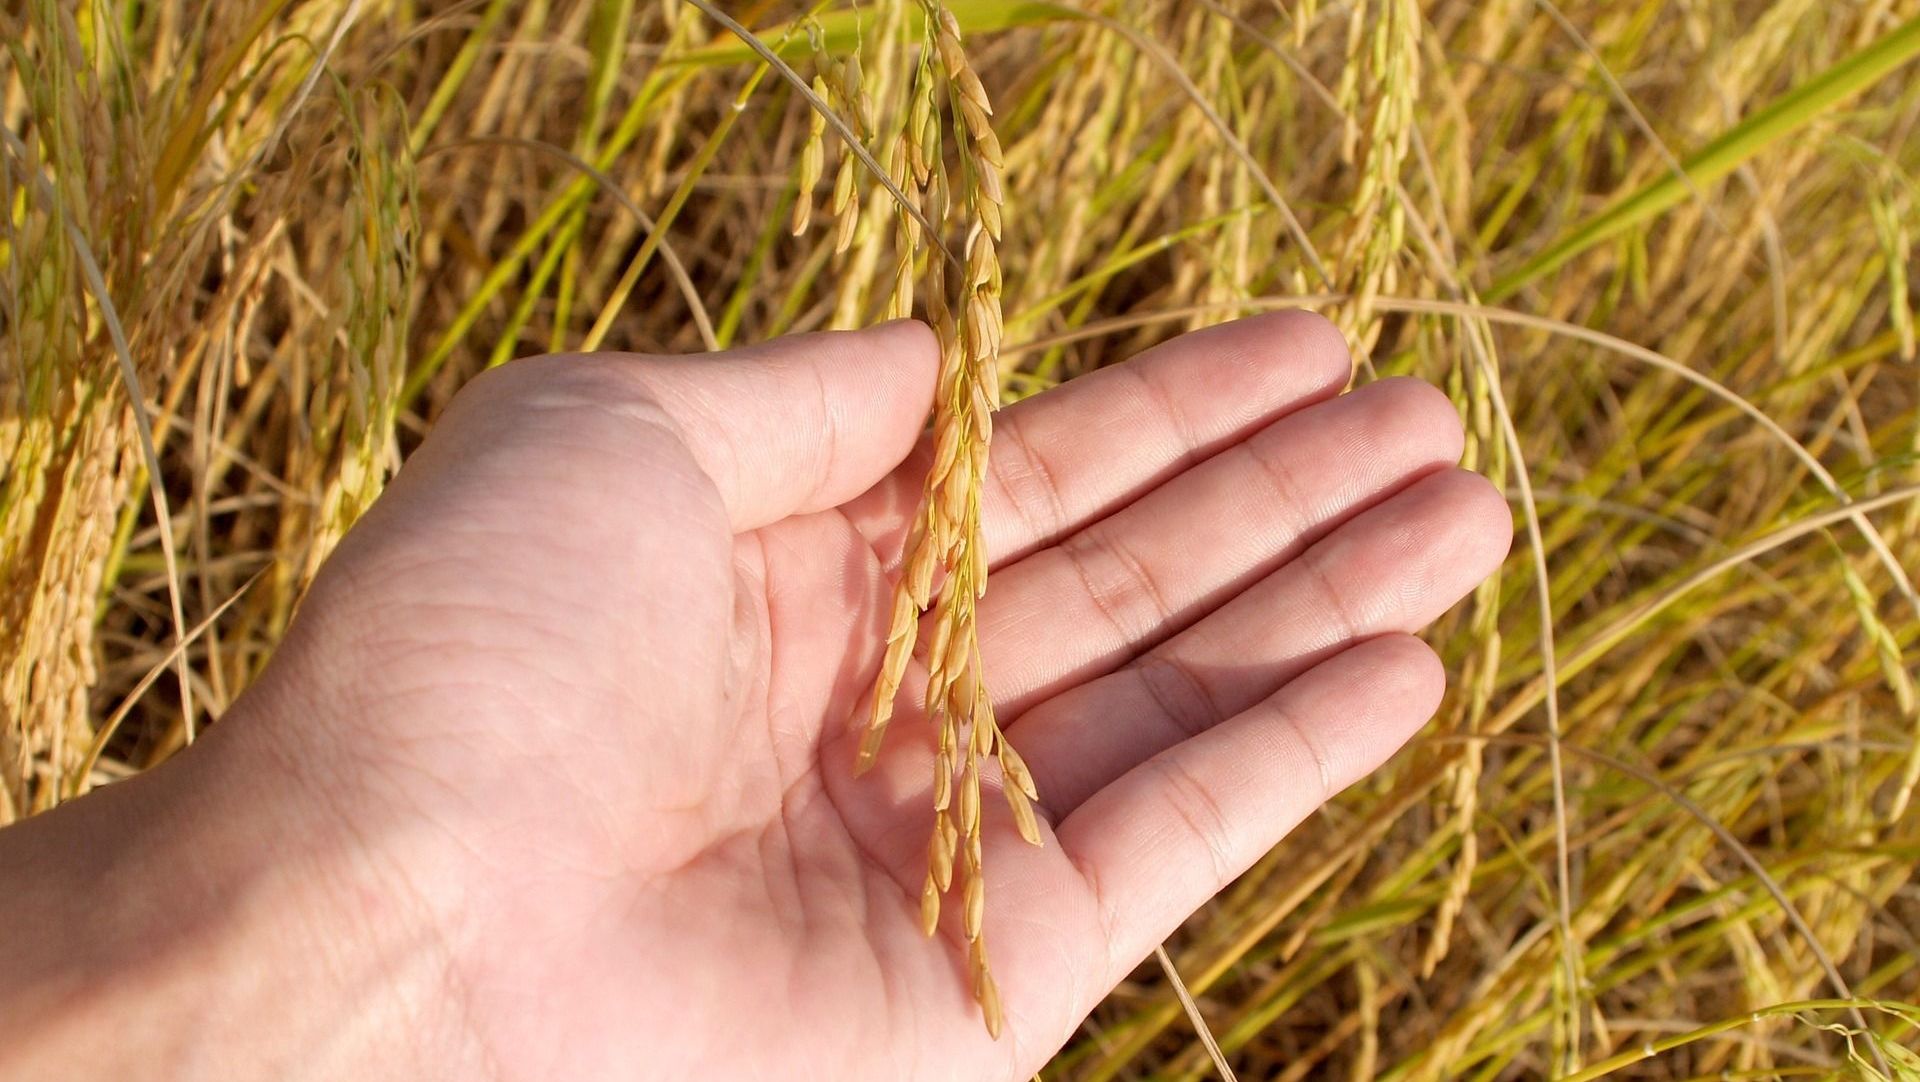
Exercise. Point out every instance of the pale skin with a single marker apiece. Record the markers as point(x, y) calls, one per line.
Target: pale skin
point(552, 777)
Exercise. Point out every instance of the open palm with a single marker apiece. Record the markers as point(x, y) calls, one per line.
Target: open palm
point(575, 706)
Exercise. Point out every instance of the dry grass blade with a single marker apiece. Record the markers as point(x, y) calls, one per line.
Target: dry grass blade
point(1743, 854)
point(697, 308)
point(1811, 524)
point(820, 106)
point(78, 783)
point(1158, 54)
point(1619, 92)
point(1543, 588)
point(1199, 1020)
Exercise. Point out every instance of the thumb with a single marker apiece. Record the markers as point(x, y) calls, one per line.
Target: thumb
point(801, 423)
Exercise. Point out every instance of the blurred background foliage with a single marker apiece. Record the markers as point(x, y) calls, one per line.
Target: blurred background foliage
point(1660, 252)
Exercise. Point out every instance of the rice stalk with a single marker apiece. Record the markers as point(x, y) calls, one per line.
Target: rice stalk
point(946, 538)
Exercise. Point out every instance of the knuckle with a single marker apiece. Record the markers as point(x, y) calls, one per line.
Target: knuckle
point(1120, 585)
point(1195, 807)
point(1182, 697)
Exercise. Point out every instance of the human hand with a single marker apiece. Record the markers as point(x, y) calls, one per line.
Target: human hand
point(558, 754)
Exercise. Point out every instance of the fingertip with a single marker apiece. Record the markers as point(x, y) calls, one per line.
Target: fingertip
point(1250, 370)
point(914, 335)
point(1312, 340)
point(1294, 355)
point(1424, 411)
point(1485, 509)
point(1409, 673)
point(1455, 523)
point(889, 370)
point(900, 357)
point(905, 351)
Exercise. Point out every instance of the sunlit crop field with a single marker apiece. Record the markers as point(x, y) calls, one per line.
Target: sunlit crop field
point(1659, 252)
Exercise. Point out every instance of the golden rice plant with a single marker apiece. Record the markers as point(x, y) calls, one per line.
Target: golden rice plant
point(945, 539)
point(1659, 252)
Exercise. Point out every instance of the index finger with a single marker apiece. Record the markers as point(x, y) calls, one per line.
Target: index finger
point(1074, 455)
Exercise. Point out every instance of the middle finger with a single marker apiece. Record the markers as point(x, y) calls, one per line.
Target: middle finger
point(1084, 607)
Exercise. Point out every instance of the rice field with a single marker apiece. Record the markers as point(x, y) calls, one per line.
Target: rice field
point(1660, 253)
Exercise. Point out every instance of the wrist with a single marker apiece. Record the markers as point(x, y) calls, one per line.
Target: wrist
point(205, 920)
